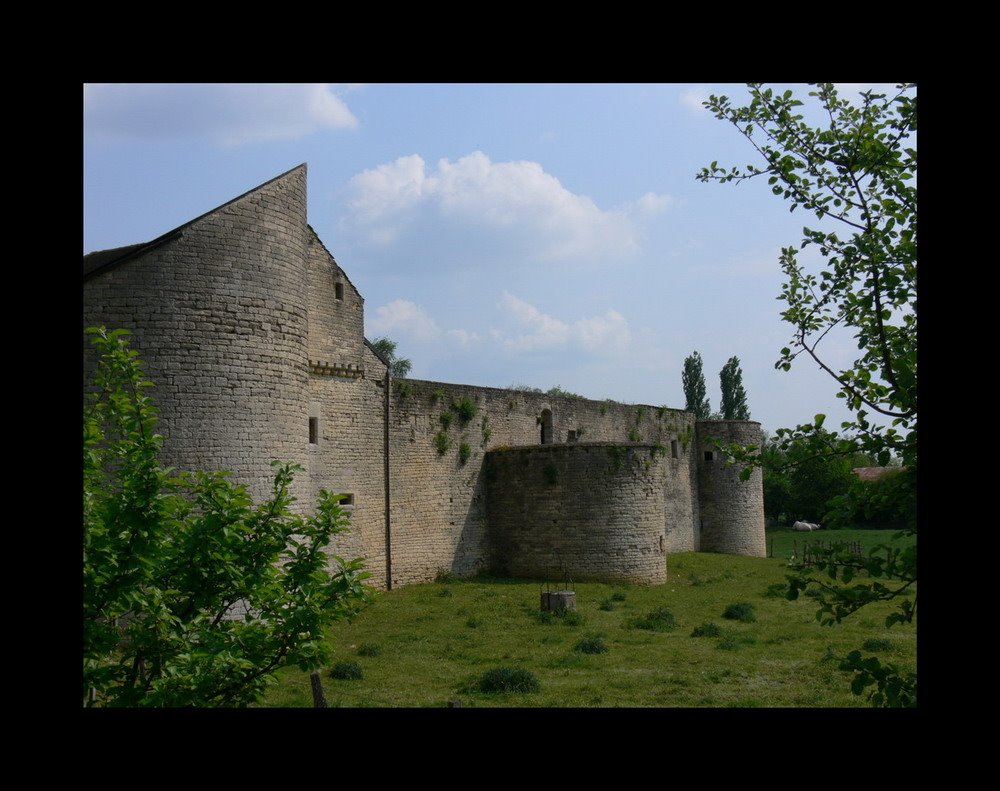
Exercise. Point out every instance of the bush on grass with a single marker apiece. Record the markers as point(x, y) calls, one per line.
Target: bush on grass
point(741, 611)
point(591, 644)
point(508, 679)
point(658, 620)
point(346, 671)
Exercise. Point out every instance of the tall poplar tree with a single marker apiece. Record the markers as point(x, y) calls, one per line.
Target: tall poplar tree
point(734, 397)
point(693, 378)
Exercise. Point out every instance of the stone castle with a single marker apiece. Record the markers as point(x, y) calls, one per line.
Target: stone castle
point(254, 337)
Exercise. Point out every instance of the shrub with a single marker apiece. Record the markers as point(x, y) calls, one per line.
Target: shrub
point(634, 435)
point(706, 630)
point(507, 679)
point(347, 671)
point(445, 419)
point(442, 443)
point(557, 392)
point(658, 620)
point(369, 649)
point(444, 576)
point(166, 557)
point(878, 644)
point(591, 644)
point(437, 395)
point(607, 605)
point(742, 611)
point(776, 590)
point(464, 452)
point(570, 617)
point(618, 596)
point(474, 623)
point(567, 617)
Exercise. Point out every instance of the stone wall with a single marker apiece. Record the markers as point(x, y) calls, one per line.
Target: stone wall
point(219, 318)
point(336, 313)
point(592, 511)
point(732, 511)
point(439, 520)
point(254, 337)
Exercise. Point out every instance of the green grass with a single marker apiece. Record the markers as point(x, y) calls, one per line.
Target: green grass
point(430, 655)
point(785, 541)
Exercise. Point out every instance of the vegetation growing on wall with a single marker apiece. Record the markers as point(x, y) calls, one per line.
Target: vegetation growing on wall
point(442, 443)
point(464, 452)
point(617, 454)
point(400, 366)
point(403, 388)
point(550, 473)
point(465, 408)
point(487, 431)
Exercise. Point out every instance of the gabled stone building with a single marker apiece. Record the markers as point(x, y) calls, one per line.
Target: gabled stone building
point(254, 337)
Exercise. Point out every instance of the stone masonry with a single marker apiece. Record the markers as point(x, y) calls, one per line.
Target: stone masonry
point(254, 337)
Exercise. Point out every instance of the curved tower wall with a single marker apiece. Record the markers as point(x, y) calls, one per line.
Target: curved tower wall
point(218, 313)
point(732, 510)
point(583, 511)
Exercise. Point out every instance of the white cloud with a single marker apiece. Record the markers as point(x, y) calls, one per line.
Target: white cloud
point(405, 318)
point(227, 115)
point(693, 97)
point(464, 337)
point(513, 207)
point(652, 204)
point(609, 332)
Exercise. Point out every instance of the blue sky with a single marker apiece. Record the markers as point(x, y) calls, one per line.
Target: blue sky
point(501, 234)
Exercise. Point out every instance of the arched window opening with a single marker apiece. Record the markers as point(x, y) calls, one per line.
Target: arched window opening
point(546, 426)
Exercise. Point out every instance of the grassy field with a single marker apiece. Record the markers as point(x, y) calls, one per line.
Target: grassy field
point(783, 541)
point(423, 645)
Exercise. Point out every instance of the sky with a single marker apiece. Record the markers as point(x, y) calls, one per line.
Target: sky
point(502, 235)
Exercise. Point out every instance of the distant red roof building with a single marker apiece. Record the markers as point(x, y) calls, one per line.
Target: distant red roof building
point(872, 473)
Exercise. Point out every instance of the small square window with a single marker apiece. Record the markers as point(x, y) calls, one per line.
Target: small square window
point(709, 456)
point(346, 499)
point(314, 431)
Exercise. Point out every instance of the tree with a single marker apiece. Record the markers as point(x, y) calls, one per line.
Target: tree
point(693, 379)
point(192, 595)
point(399, 366)
point(855, 169)
point(734, 397)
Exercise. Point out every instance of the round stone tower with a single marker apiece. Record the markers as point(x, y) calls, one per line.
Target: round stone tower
point(586, 511)
point(732, 510)
point(218, 312)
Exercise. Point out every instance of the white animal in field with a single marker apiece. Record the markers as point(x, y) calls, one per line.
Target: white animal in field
point(806, 527)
